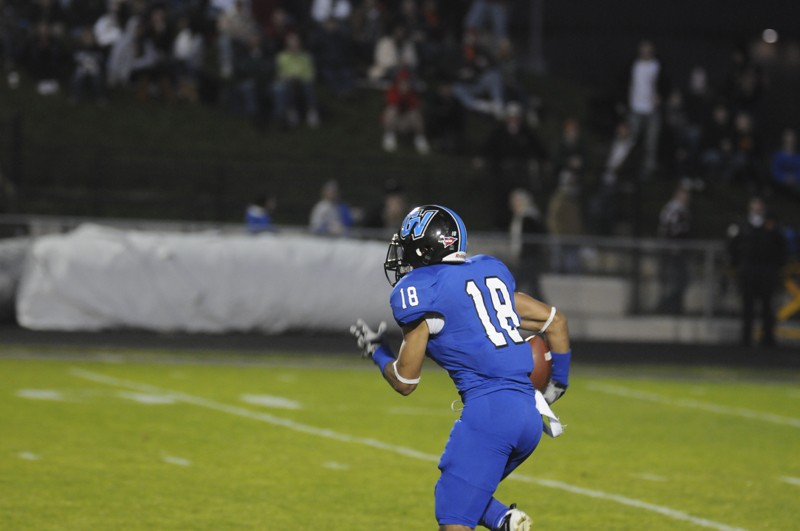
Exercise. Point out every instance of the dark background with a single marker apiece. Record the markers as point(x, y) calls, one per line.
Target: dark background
point(592, 42)
point(587, 40)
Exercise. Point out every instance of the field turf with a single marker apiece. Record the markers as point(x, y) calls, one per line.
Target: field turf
point(143, 440)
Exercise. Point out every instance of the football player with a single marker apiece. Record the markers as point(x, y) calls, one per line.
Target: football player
point(465, 314)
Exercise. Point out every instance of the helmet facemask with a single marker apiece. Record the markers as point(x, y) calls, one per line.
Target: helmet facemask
point(395, 261)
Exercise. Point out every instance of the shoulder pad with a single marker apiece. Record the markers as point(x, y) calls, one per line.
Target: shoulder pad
point(414, 296)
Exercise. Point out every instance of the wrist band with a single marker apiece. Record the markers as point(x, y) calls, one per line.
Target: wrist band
point(382, 357)
point(413, 381)
point(561, 361)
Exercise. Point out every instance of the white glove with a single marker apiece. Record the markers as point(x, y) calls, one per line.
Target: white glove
point(554, 391)
point(368, 341)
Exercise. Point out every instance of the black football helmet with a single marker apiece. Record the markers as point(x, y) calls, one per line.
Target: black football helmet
point(430, 234)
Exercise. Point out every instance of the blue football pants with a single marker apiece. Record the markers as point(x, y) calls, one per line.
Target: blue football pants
point(495, 434)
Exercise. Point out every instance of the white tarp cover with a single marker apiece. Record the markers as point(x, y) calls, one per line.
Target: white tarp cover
point(99, 278)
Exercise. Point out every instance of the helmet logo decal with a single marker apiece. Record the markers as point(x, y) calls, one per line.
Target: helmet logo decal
point(416, 223)
point(447, 241)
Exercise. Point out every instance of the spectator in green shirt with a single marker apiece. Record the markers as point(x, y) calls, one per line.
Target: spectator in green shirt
point(295, 76)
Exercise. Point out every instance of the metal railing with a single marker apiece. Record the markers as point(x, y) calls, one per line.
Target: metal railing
point(661, 277)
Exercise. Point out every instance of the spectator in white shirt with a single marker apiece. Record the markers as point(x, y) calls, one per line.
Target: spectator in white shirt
point(644, 103)
point(322, 10)
point(330, 216)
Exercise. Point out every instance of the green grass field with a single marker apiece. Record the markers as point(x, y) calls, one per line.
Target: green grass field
point(152, 441)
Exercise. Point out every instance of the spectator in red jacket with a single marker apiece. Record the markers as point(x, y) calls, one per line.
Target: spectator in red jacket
point(403, 114)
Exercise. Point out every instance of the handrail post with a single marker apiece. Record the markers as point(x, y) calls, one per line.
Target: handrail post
point(708, 277)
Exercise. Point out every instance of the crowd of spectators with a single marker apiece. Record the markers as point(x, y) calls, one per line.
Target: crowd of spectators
point(437, 63)
point(266, 59)
point(709, 132)
point(706, 134)
point(262, 58)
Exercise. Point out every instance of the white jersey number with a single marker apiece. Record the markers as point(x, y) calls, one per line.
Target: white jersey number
point(413, 300)
point(502, 307)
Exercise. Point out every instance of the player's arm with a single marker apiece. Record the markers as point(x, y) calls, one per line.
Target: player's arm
point(538, 316)
point(404, 373)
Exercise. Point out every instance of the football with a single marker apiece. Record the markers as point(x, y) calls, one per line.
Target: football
point(542, 362)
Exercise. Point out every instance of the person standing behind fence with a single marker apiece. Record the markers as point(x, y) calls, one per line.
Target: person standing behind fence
point(330, 216)
point(565, 218)
point(674, 224)
point(758, 252)
point(526, 221)
point(258, 215)
point(87, 76)
point(646, 88)
point(390, 211)
point(515, 155)
point(785, 167)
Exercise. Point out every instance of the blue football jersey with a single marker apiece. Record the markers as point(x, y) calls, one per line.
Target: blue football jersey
point(479, 345)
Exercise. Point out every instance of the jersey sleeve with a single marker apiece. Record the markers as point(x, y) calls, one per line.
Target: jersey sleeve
point(414, 297)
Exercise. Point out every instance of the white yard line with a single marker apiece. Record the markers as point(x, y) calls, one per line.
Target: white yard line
point(752, 414)
point(380, 445)
point(40, 394)
point(630, 502)
point(172, 460)
point(333, 465)
point(791, 480)
point(278, 402)
point(146, 398)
